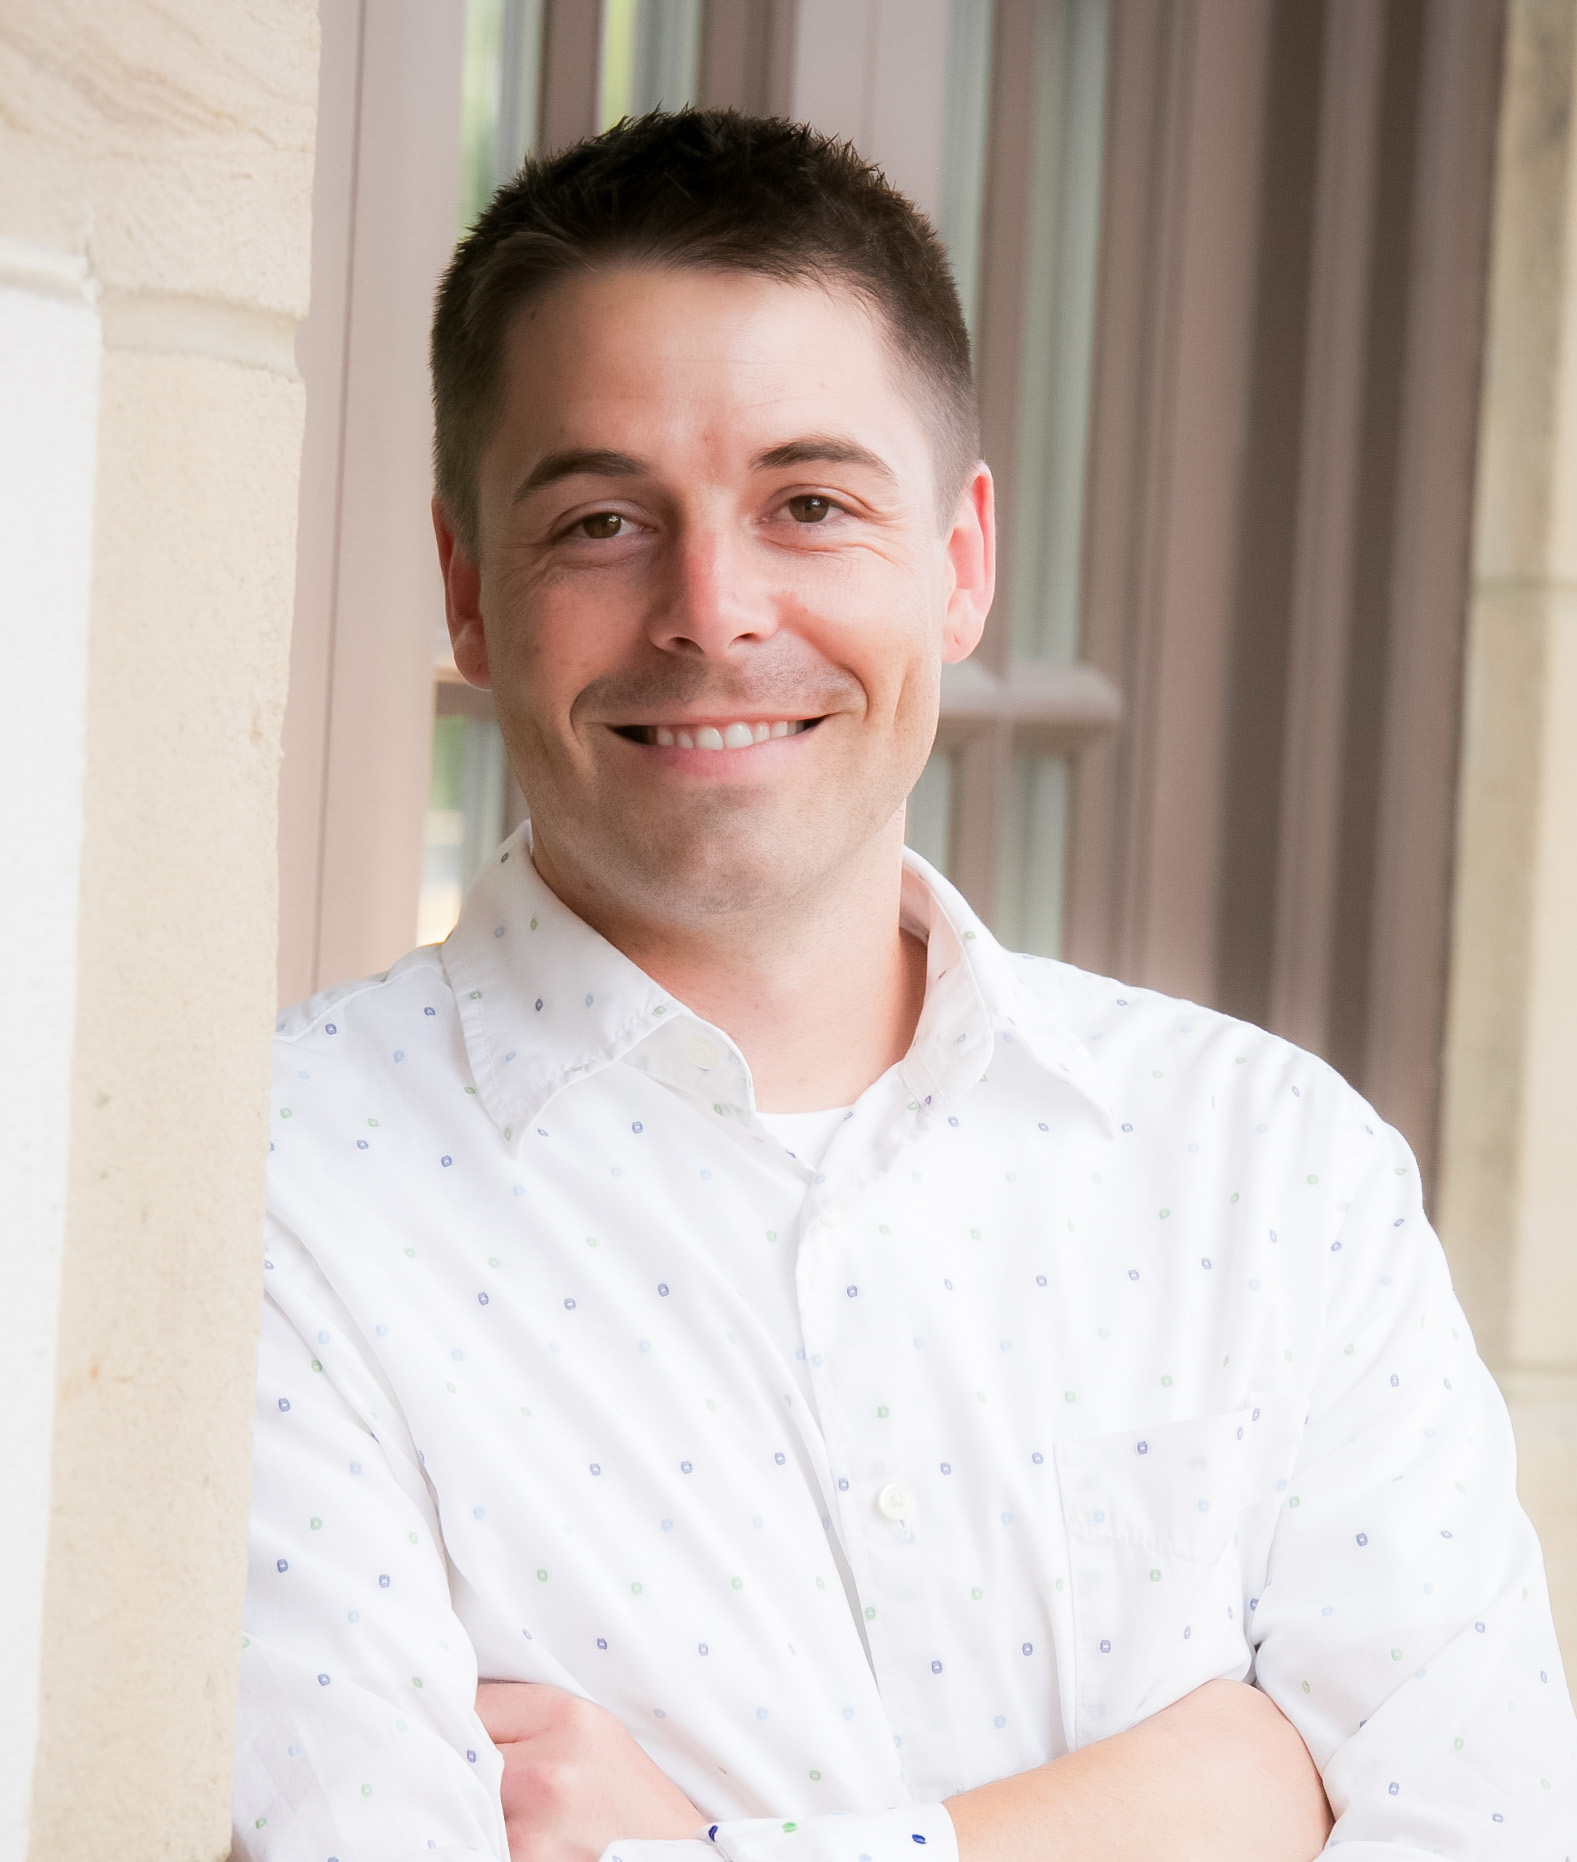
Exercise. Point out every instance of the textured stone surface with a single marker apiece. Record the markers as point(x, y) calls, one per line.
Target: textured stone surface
point(1508, 1199)
point(193, 576)
point(171, 147)
point(169, 139)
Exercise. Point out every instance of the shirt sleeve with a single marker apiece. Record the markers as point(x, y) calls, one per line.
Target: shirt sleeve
point(1404, 1627)
point(357, 1732)
point(880, 1836)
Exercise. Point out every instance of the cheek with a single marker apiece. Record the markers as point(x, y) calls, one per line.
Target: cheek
point(894, 649)
point(906, 683)
point(865, 600)
point(546, 643)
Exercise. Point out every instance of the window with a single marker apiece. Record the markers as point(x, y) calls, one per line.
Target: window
point(650, 57)
point(966, 120)
point(472, 799)
point(465, 816)
point(500, 96)
point(1020, 212)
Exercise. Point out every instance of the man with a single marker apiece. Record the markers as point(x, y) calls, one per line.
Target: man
point(748, 1365)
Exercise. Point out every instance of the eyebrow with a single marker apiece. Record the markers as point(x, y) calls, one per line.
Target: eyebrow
point(821, 449)
point(599, 462)
point(578, 462)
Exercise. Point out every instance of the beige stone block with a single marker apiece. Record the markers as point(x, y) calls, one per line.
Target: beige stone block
point(1482, 1110)
point(171, 140)
point(1544, 1414)
point(193, 585)
point(1545, 1313)
point(1518, 440)
point(1508, 1195)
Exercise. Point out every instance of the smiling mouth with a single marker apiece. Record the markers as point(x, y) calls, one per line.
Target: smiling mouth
point(738, 736)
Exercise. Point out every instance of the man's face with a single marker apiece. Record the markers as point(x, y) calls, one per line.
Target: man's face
point(715, 589)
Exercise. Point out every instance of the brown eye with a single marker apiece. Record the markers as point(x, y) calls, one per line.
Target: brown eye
point(602, 524)
point(809, 509)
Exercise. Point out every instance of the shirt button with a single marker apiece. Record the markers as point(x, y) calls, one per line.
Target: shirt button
point(701, 1051)
point(895, 1501)
point(830, 1218)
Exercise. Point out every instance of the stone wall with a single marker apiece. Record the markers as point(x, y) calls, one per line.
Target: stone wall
point(1509, 1173)
point(155, 189)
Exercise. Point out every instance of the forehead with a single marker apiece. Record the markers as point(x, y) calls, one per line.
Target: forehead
point(687, 352)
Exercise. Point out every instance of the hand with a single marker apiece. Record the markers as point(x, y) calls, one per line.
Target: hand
point(574, 1779)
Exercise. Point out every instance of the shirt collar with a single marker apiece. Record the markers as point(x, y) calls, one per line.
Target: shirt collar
point(979, 995)
point(546, 1001)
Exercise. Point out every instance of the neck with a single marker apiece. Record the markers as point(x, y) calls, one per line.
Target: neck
point(821, 994)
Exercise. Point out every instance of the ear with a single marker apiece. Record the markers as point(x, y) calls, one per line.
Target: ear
point(972, 557)
point(462, 600)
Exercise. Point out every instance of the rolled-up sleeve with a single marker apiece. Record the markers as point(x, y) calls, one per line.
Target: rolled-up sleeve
point(357, 1732)
point(1404, 1627)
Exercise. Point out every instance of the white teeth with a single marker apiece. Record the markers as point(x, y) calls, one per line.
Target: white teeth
point(739, 736)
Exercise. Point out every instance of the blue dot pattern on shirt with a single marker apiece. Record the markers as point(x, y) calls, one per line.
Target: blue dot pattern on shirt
point(1106, 1350)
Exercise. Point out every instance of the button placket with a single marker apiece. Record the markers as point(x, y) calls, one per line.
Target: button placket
point(828, 1282)
point(876, 1505)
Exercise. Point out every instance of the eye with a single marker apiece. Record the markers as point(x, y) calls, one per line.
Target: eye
point(601, 525)
point(810, 509)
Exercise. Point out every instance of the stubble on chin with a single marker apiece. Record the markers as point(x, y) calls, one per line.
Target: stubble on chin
point(728, 853)
point(744, 851)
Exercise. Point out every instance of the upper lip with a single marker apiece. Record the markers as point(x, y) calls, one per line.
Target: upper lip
point(717, 720)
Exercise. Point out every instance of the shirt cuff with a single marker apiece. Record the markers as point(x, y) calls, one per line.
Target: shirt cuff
point(879, 1836)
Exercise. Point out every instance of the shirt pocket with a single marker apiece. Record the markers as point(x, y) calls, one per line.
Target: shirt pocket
point(1153, 1518)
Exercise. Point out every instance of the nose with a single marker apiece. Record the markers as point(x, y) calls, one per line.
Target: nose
point(715, 597)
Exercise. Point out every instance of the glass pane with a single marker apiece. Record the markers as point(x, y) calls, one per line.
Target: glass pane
point(1059, 321)
point(651, 57)
point(465, 818)
point(1031, 856)
point(964, 132)
point(929, 822)
point(501, 82)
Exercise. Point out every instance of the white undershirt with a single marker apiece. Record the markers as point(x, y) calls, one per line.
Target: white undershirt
point(805, 1135)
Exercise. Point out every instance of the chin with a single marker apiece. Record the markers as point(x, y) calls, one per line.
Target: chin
point(729, 855)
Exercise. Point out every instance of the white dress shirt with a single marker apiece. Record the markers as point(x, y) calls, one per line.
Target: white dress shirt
point(1105, 1350)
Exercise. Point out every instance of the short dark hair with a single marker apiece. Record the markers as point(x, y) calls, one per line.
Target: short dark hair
point(708, 188)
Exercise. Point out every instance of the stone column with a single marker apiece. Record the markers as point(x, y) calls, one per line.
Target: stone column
point(1508, 1198)
point(155, 188)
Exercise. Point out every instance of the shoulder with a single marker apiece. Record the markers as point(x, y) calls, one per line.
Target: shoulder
point(1166, 1064)
point(371, 1003)
point(1120, 1020)
point(394, 1038)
